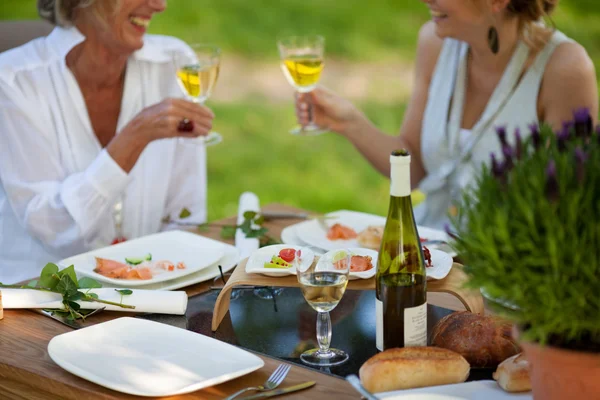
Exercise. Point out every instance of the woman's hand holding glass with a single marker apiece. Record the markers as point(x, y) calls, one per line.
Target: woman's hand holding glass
point(323, 284)
point(302, 63)
point(197, 72)
point(159, 121)
point(327, 110)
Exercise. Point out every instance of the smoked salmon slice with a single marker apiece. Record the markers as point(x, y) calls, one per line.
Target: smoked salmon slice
point(341, 232)
point(117, 270)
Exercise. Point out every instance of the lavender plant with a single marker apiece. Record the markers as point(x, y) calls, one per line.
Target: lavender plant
point(529, 232)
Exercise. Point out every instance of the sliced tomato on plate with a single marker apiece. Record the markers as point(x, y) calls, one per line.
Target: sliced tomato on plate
point(288, 255)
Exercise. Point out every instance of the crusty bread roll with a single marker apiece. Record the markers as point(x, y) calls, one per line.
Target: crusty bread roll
point(513, 374)
point(412, 367)
point(484, 341)
point(371, 237)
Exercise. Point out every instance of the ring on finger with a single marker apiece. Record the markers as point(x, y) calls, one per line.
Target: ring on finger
point(185, 125)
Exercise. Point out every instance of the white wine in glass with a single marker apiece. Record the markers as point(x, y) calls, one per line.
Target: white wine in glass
point(197, 74)
point(302, 64)
point(323, 285)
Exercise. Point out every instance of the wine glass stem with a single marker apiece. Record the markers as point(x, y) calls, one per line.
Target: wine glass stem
point(311, 112)
point(323, 331)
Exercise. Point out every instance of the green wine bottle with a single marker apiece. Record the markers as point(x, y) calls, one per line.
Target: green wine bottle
point(401, 282)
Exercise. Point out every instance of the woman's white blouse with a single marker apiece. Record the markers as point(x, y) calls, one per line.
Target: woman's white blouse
point(453, 157)
point(58, 186)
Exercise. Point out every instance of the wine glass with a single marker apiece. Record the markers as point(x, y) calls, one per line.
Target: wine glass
point(302, 64)
point(323, 284)
point(197, 72)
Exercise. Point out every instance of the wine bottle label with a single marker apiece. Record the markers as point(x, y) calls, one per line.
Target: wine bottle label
point(415, 326)
point(379, 324)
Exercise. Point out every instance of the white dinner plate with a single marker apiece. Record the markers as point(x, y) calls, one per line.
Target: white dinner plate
point(256, 261)
point(359, 251)
point(227, 263)
point(147, 358)
point(477, 390)
point(197, 252)
point(314, 232)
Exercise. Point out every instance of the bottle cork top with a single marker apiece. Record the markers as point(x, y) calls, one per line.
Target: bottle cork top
point(401, 156)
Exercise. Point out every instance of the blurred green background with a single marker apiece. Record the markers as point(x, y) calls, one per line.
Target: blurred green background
point(370, 53)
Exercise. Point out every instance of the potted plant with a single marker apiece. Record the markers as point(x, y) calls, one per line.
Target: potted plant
point(528, 232)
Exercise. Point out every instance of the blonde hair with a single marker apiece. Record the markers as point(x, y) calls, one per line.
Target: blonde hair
point(531, 14)
point(62, 12)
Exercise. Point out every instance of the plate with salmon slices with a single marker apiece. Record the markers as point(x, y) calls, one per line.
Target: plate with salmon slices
point(150, 259)
point(344, 229)
point(363, 262)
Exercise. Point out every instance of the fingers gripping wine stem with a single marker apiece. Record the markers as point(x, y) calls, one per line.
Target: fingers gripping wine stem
point(324, 332)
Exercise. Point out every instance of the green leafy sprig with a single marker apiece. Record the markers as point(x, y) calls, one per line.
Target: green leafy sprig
point(251, 219)
point(65, 283)
point(528, 233)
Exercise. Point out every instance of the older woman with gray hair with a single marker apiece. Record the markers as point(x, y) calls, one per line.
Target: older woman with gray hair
point(89, 120)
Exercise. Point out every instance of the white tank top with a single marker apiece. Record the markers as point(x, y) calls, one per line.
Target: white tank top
point(452, 156)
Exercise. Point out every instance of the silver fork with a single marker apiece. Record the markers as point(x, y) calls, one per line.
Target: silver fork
point(274, 380)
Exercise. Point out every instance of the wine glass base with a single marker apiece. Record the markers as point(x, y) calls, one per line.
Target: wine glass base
point(211, 139)
point(332, 357)
point(309, 130)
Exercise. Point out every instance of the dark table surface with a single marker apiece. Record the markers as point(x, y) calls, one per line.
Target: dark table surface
point(284, 326)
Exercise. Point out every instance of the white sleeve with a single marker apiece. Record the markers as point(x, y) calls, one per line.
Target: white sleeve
point(61, 210)
point(187, 188)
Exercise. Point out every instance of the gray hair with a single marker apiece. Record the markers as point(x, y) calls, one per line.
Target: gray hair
point(61, 12)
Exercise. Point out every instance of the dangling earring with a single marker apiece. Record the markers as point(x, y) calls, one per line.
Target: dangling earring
point(493, 40)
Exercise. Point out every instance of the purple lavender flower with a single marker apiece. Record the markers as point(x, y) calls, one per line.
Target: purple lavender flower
point(580, 159)
point(584, 126)
point(518, 143)
point(501, 132)
point(508, 157)
point(563, 135)
point(535, 135)
point(552, 189)
point(496, 167)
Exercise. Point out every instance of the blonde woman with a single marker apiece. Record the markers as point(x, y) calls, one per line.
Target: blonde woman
point(88, 120)
point(480, 64)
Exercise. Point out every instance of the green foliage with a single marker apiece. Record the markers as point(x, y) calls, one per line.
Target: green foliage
point(530, 235)
point(252, 227)
point(65, 283)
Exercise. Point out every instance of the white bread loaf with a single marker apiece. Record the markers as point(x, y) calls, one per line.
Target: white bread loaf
point(513, 374)
point(413, 367)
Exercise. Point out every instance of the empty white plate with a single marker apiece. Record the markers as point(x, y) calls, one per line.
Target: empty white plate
point(478, 390)
point(147, 358)
point(256, 261)
point(197, 252)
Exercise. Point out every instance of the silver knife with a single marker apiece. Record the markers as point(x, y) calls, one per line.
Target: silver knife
point(278, 392)
point(63, 320)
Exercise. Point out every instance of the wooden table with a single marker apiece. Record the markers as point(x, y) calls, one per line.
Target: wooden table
point(27, 372)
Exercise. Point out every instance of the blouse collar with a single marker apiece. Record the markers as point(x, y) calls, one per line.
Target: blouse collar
point(63, 40)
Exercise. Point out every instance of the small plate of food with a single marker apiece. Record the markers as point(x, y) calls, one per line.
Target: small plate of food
point(437, 263)
point(278, 260)
point(363, 263)
point(150, 259)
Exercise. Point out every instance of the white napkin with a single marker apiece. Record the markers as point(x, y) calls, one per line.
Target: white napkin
point(151, 301)
point(246, 246)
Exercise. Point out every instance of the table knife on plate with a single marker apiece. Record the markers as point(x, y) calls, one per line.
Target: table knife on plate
point(278, 392)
